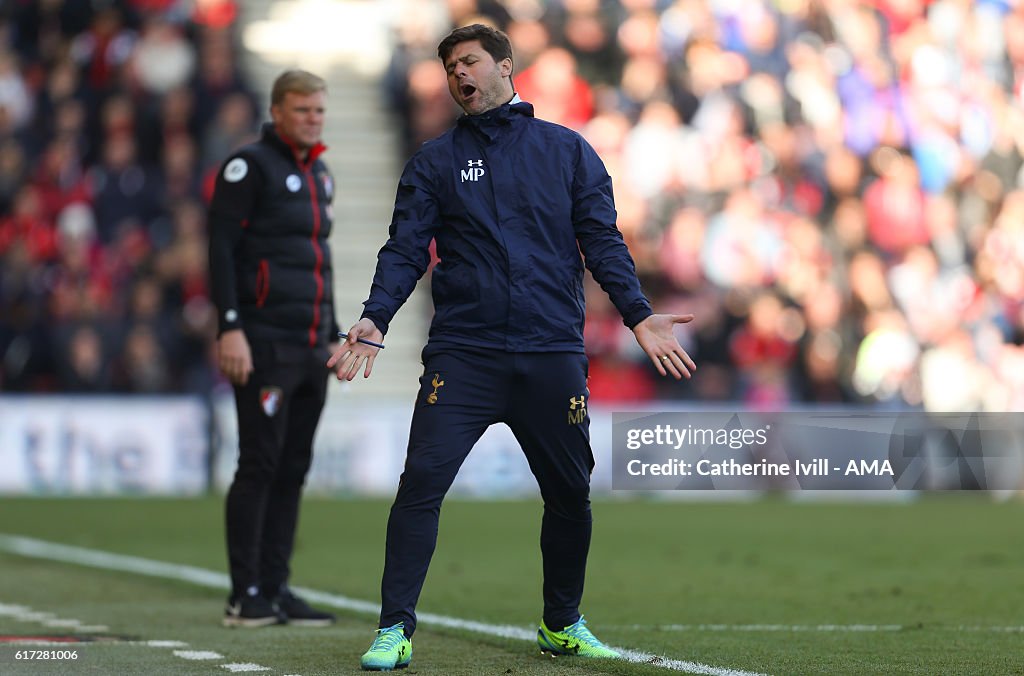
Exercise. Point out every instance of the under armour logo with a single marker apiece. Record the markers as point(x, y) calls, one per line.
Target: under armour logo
point(577, 409)
point(475, 172)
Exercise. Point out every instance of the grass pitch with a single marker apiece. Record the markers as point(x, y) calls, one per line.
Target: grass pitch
point(930, 587)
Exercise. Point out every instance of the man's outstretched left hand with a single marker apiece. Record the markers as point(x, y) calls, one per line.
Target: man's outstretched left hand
point(657, 339)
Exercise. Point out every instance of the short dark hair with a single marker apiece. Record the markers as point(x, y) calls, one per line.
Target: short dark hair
point(494, 42)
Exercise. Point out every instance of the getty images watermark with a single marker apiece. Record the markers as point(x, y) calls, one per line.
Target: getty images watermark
point(817, 451)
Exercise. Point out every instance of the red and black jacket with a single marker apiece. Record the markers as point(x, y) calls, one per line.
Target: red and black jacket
point(270, 263)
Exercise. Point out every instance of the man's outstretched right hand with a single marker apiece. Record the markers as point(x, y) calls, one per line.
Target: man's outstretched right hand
point(349, 357)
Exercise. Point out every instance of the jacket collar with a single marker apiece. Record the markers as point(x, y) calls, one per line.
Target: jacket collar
point(274, 139)
point(488, 123)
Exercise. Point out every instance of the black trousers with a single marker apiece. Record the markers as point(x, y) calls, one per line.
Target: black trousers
point(542, 397)
point(278, 411)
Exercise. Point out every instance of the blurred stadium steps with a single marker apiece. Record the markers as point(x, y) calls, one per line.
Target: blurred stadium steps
point(363, 155)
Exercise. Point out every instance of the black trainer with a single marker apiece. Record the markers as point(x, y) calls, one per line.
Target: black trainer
point(251, 611)
point(299, 613)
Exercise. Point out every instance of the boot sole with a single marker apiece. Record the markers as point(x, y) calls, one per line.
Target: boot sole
point(397, 666)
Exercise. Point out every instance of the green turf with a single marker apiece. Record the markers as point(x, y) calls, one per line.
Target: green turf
point(946, 570)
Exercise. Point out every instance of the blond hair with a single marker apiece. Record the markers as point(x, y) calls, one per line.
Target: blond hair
point(296, 82)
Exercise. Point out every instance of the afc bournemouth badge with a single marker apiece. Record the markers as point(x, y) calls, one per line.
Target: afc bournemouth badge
point(270, 400)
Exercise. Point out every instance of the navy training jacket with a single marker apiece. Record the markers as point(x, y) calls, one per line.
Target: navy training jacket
point(511, 201)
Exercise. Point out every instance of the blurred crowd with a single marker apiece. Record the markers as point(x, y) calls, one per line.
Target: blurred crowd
point(833, 187)
point(114, 116)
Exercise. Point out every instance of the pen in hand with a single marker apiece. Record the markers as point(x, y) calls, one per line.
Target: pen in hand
point(342, 334)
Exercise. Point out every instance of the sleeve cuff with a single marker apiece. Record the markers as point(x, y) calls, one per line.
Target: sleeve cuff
point(379, 322)
point(637, 315)
point(228, 320)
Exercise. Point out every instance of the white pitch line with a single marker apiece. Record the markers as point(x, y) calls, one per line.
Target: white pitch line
point(1012, 629)
point(768, 627)
point(244, 667)
point(92, 558)
point(681, 665)
point(198, 655)
point(25, 613)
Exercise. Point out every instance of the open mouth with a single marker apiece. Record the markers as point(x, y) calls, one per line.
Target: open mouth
point(467, 90)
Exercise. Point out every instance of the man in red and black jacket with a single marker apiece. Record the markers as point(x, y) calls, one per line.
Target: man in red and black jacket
point(270, 272)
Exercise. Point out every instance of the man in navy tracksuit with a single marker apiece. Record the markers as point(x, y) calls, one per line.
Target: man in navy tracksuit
point(512, 202)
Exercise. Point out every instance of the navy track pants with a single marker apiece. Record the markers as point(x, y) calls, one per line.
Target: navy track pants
point(542, 397)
